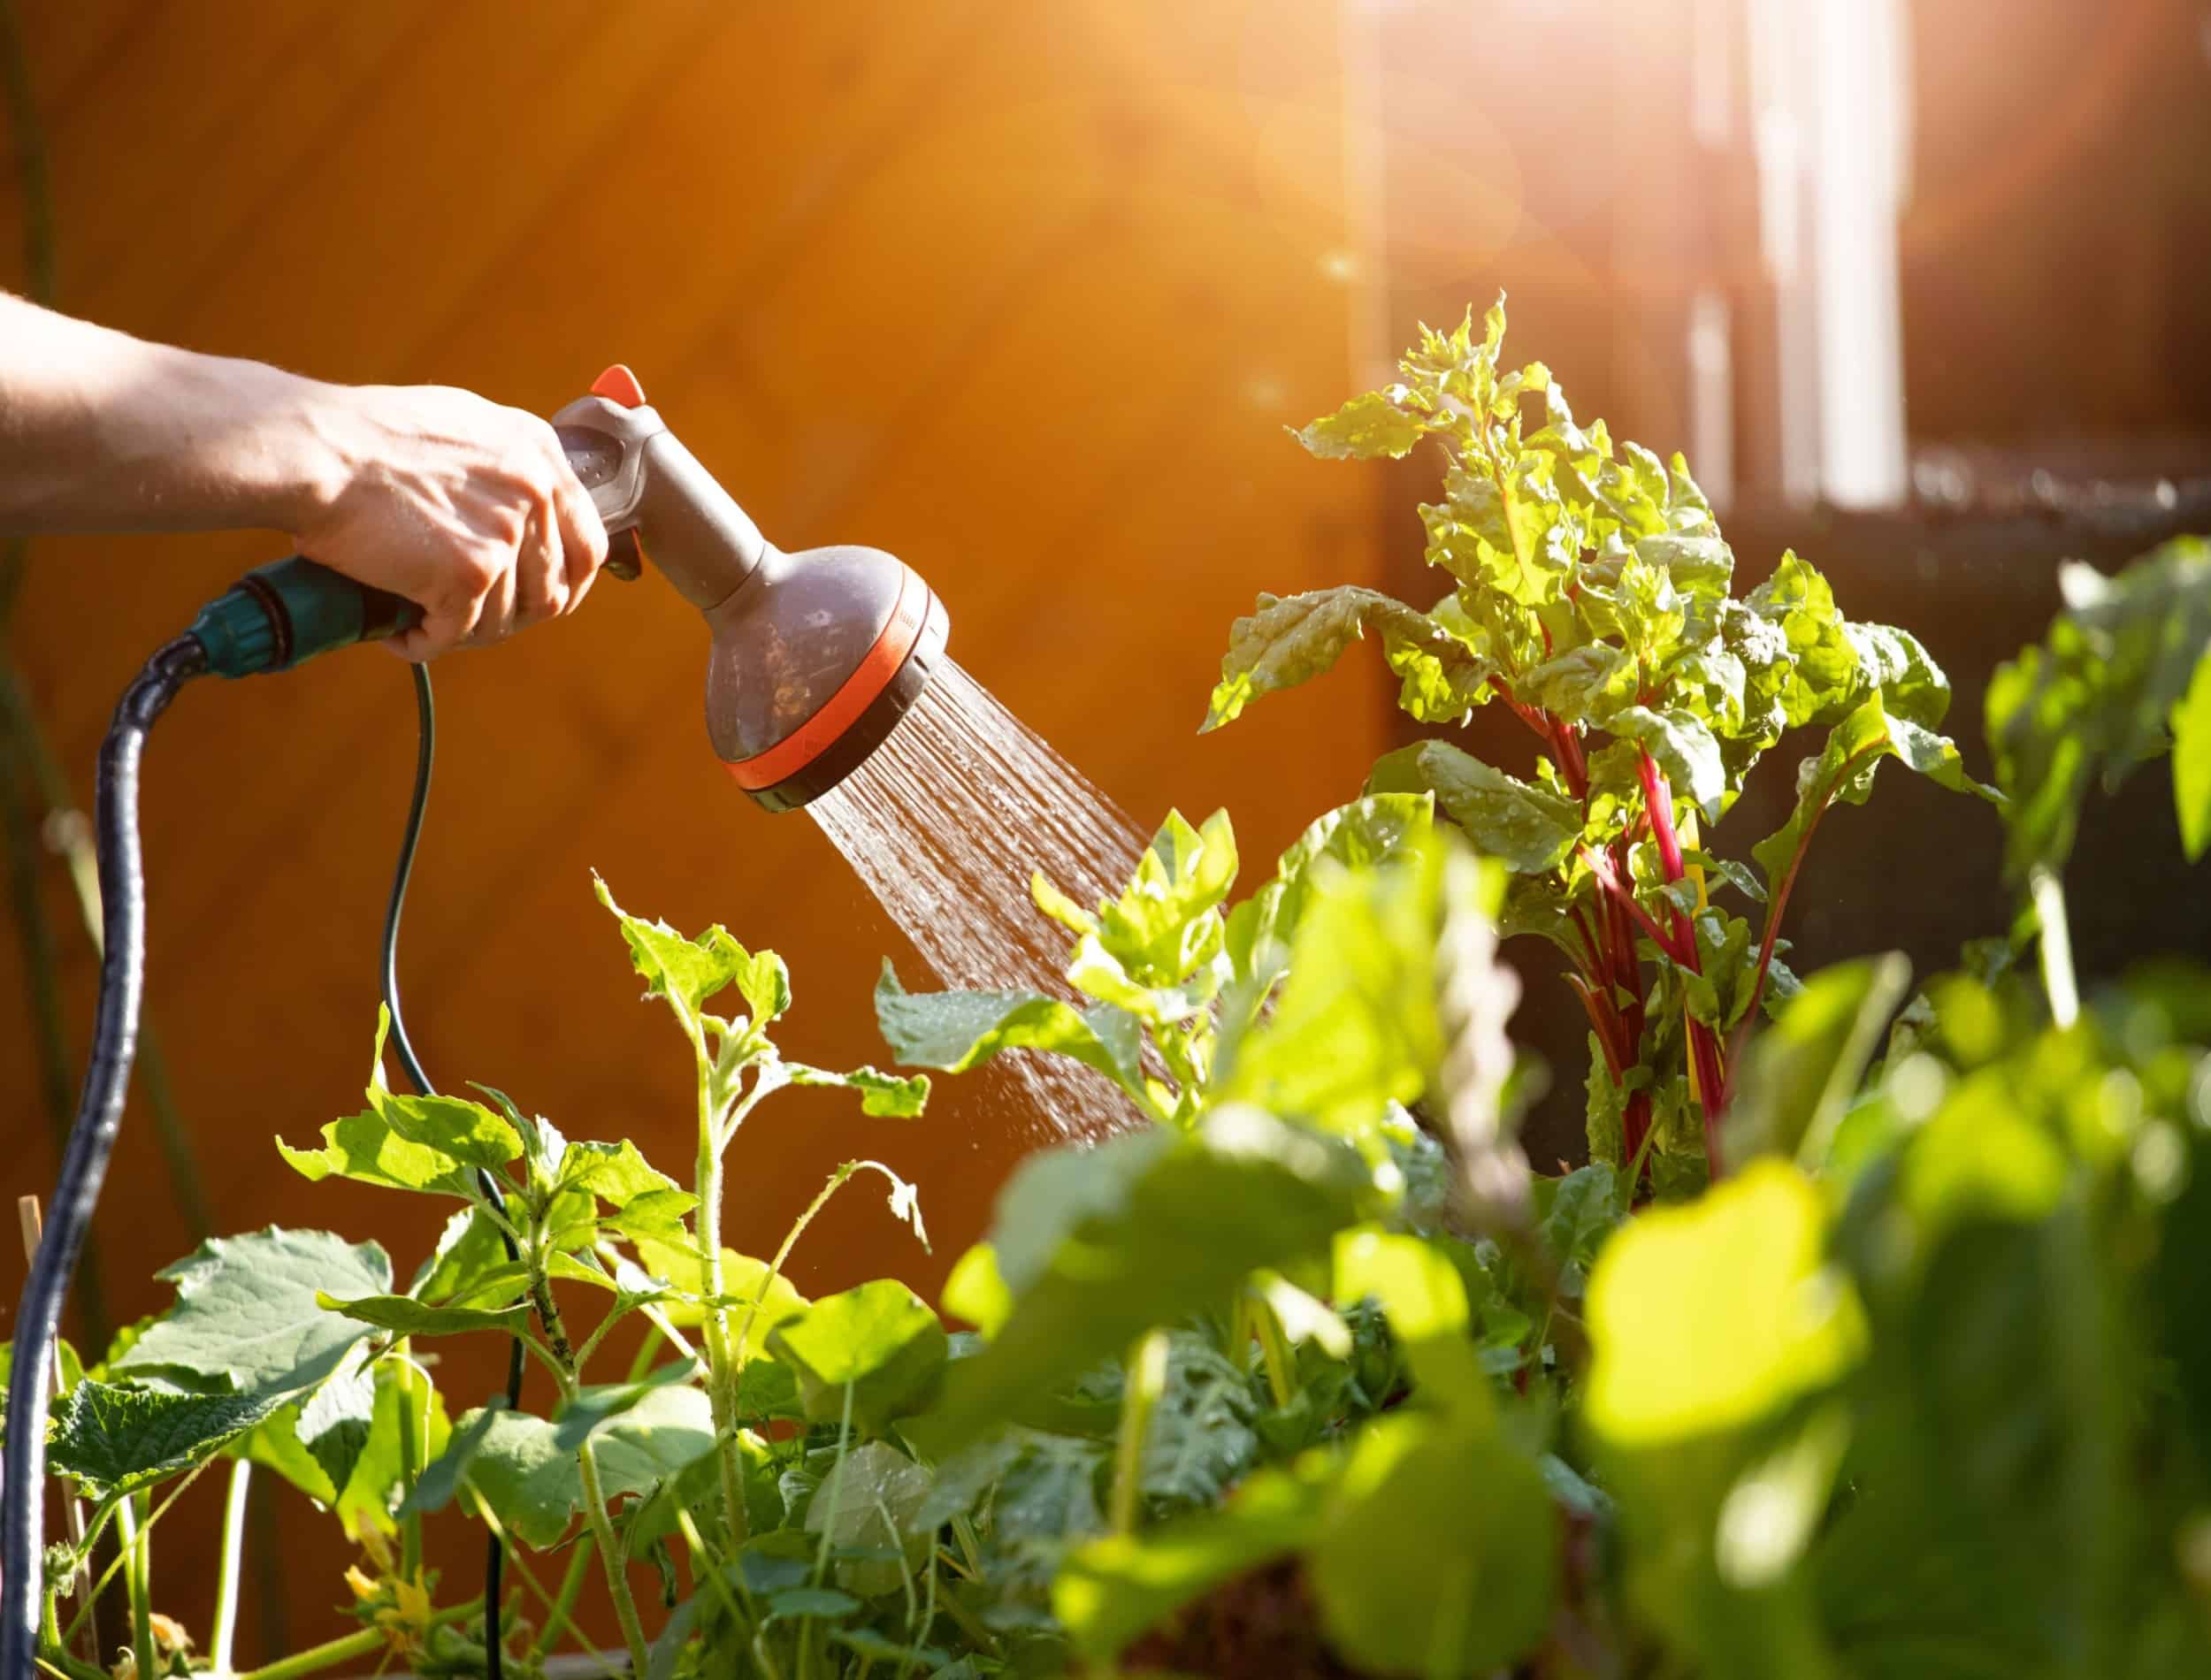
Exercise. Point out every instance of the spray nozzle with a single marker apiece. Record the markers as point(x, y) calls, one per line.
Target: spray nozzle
point(815, 655)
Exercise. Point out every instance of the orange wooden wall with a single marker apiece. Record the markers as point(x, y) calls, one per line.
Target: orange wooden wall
point(1022, 291)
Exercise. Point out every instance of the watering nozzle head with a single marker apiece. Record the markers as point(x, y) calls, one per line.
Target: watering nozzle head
point(815, 656)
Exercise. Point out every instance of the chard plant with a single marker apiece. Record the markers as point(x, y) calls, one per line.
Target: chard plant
point(1592, 595)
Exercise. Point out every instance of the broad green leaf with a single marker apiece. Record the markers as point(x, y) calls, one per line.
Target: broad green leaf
point(1366, 832)
point(373, 1491)
point(247, 1318)
point(1585, 684)
point(688, 972)
point(407, 1316)
point(1424, 1299)
point(1287, 640)
point(744, 1281)
point(1055, 1191)
point(453, 1126)
point(363, 1148)
point(1117, 1587)
point(1803, 1070)
point(1844, 771)
point(1529, 829)
point(1892, 664)
point(1355, 1029)
point(1438, 1555)
point(1512, 541)
point(2097, 696)
point(2192, 762)
point(441, 1478)
point(617, 1173)
point(1685, 750)
point(1823, 662)
point(119, 1438)
point(955, 1031)
point(524, 1467)
point(468, 1247)
point(1709, 1317)
point(1243, 1192)
point(1574, 1215)
point(334, 1422)
point(871, 1500)
point(1380, 424)
point(879, 1340)
point(1696, 562)
point(887, 1095)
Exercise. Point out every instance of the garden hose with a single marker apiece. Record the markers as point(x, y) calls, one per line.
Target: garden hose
point(404, 1047)
point(91, 1141)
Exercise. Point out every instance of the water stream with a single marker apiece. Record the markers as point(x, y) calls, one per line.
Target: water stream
point(946, 823)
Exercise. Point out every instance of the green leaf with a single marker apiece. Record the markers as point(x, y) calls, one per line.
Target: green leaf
point(1199, 1212)
point(976, 1292)
point(333, 1422)
point(452, 1127)
point(1574, 1215)
point(955, 1031)
point(441, 1479)
point(1802, 1072)
point(1844, 771)
point(468, 1247)
point(365, 1149)
point(617, 1173)
point(407, 1316)
point(1117, 1587)
point(887, 1095)
point(743, 1281)
point(405, 1405)
point(1685, 750)
point(879, 1339)
point(524, 1467)
point(1439, 1552)
point(1378, 424)
point(1892, 664)
point(1821, 671)
point(119, 1438)
point(1709, 1317)
point(688, 972)
point(1696, 562)
point(1529, 829)
point(2097, 696)
point(1365, 832)
point(247, 1319)
point(870, 1501)
point(2192, 762)
point(807, 1603)
point(1287, 640)
point(1355, 1029)
point(1586, 684)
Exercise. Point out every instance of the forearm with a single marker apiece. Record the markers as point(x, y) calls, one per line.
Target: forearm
point(102, 431)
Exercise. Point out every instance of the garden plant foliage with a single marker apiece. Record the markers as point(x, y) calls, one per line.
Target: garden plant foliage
point(1871, 1342)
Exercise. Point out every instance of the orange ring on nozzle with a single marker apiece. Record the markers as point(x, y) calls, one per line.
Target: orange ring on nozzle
point(844, 708)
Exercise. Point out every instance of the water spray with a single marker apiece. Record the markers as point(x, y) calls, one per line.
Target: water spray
point(815, 658)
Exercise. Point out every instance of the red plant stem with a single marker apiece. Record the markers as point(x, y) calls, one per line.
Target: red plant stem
point(1704, 1046)
point(1780, 904)
point(1624, 904)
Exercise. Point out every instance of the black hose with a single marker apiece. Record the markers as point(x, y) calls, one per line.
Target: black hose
point(91, 1141)
point(425, 751)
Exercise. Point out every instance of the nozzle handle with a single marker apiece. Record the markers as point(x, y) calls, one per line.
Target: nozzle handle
point(290, 610)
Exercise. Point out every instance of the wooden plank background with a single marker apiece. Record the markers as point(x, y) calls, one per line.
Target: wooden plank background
point(1021, 292)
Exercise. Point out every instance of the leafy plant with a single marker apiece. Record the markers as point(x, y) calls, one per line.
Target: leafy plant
point(1592, 597)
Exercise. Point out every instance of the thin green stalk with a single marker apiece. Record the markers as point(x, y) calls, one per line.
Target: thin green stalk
point(563, 1607)
point(137, 1538)
point(610, 1554)
point(220, 1639)
point(346, 1648)
point(1275, 1352)
point(410, 1471)
point(721, 1369)
point(1140, 1393)
point(2055, 947)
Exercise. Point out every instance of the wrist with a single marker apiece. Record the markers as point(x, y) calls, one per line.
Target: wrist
point(298, 440)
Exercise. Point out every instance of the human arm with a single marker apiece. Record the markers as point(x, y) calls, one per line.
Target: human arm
point(458, 504)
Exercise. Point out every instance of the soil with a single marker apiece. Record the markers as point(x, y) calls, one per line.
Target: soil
point(1260, 1626)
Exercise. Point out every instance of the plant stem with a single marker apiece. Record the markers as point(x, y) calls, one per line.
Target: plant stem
point(2055, 947)
point(610, 1554)
point(138, 1540)
point(345, 1649)
point(721, 1368)
point(564, 1608)
point(410, 1471)
point(227, 1576)
point(1145, 1382)
point(1275, 1353)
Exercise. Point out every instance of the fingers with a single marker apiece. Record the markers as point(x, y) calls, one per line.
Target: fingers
point(540, 574)
point(583, 538)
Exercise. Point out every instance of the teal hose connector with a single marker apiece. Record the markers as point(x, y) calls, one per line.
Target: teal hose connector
point(278, 615)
